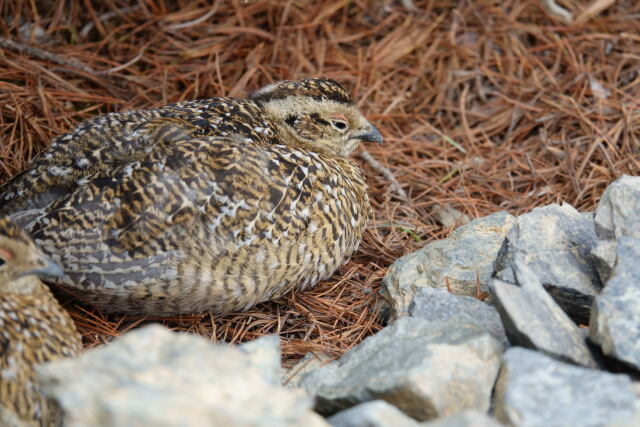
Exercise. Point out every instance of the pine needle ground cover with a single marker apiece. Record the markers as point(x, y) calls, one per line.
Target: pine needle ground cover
point(485, 106)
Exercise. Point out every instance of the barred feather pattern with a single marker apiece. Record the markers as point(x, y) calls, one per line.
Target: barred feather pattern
point(189, 229)
point(34, 329)
point(211, 205)
point(104, 142)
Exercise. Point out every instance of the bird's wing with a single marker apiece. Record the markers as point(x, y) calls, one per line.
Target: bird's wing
point(105, 142)
point(76, 155)
point(214, 193)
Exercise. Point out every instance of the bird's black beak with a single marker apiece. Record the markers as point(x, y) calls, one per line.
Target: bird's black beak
point(370, 135)
point(51, 269)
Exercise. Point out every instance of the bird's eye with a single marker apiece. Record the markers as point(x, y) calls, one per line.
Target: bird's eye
point(339, 124)
point(4, 256)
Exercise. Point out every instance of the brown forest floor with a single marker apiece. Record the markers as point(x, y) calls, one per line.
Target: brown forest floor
point(484, 105)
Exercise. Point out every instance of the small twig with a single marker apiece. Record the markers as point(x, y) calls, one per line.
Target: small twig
point(126, 64)
point(393, 181)
point(106, 16)
point(44, 55)
point(594, 9)
point(196, 21)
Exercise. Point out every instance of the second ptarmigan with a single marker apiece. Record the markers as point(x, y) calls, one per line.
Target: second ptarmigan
point(210, 205)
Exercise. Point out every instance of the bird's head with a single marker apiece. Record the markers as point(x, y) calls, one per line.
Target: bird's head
point(19, 257)
point(316, 114)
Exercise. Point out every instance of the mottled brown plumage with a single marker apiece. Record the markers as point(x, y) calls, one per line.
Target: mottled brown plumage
point(33, 329)
point(210, 205)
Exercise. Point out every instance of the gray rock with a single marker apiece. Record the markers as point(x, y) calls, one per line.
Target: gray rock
point(426, 369)
point(264, 354)
point(152, 376)
point(617, 215)
point(556, 242)
point(465, 419)
point(615, 318)
point(310, 419)
point(308, 363)
point(439, 304)
point(532, 319)
point(448, 216)
point(618, 212)
point(604, 256)
point(463, 259)
point(536, 390)
point(376, 413)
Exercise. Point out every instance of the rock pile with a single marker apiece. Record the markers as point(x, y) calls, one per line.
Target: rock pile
point(531, 320)
point(426, 369)
point(154, 377)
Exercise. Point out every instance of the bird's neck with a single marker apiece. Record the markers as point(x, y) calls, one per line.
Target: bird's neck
point(25, 285)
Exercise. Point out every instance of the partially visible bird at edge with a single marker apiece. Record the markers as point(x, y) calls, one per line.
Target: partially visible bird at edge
point(34, 329)
point(208, 205)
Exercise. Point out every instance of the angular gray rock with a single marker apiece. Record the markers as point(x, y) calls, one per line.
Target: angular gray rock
point(536, 390)
point(617, 215)
point(426, 369)
point(462, 259)
point(439, 304)
point(264, 355)
point(556, 242)
point(465, 419)
point(618, 212)
point(532, 318)
point(152, 376)
point(604, 256)
point(615, 318)
point(376, 413)
point(292, 377)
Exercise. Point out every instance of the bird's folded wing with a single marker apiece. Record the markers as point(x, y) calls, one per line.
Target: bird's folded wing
point(218, 193)
point(79, 154)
